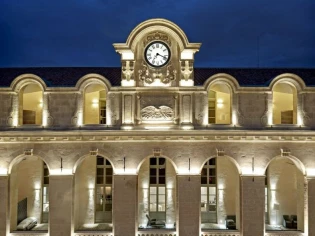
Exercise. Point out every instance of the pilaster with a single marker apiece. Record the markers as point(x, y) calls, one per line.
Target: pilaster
point(4, 203)
point(311, 207)
point(60, 205)
point(124, 205)
point(188, 205)
point(252, 205)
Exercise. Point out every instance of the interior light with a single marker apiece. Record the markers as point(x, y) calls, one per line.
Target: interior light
point(220, 103)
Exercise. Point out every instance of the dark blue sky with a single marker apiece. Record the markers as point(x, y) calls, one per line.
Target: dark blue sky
point(36, 33)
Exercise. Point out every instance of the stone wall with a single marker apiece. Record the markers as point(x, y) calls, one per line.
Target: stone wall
point(5, 108)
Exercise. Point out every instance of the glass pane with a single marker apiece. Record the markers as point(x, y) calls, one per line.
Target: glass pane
point(204, 172)
point(203, 180)
point(162, 180)
point(99, 180)
point(108, 163)
point(99, 198)
point(212, 190)
point(153, 161)
point(153, 180)
point(152, 171)
point(212, 171)
point(46, 180)
point(161, 207)
point(109, 179)
point(100, 171)
point(152, 190)
point(161, 190)
point(211, 113)
point(162, 171)
point(100, 161)
point(109, 171)
point(161, 161)
point(46, 207)
point(203, 190)
point(212, 180)
point(46, 172)
point(212, 161)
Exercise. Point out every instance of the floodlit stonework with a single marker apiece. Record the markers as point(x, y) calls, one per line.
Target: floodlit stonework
point(105, 151)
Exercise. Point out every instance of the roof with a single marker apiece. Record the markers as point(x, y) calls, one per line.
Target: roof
point(68, 76)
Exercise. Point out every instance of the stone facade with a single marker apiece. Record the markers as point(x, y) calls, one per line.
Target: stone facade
point(158, 112)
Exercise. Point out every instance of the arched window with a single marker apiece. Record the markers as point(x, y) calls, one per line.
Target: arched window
point(31, 105)
point(209, 192)
point(95, 104)
point(156, 194)
point(220, 196)
point(284, 104)
point(219, 104)
point(104, 180)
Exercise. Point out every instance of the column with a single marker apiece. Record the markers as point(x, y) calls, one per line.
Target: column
point(252, 205)
point(60, 205)
point(188, 205)
point(4, 205)
point(311, 207)
point(124, 205)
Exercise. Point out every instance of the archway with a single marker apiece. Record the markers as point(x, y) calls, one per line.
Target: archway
point(156, 193)
point(220, 195)
point(29, 194)
point(93, 194)
point(284, 195)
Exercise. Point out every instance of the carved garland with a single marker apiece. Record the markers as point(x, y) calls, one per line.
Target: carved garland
point(157, 36)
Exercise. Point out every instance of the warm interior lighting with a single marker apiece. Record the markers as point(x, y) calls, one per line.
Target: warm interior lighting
point(220, 103)
point(40, 104)
point(95, 103)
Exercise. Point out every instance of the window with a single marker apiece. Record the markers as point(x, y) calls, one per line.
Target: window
point(219, 104)
point(284, 102)
point(157, 199)
point(104, 179)
point(209, 192)
point(45, 192)
point(95, 104)
point(31, 105)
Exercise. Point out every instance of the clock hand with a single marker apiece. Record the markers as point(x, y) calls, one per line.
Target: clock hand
point(161, 56)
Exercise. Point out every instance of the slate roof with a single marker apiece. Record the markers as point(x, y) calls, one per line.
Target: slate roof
point(68, 76)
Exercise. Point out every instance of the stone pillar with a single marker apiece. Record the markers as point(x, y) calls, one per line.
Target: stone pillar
point(124, 205)
point(4, 205)
point(60, 205)
point(311, 207)
point(252, 205)
point(188, 205)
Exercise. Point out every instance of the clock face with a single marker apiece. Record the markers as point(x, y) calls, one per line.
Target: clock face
point(157, 54)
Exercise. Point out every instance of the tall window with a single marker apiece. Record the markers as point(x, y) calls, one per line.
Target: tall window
point(219, 104)
point(157, 198)
point(209, 192)
point(104, 179)
point(284, 103)
point(45, 202)
point(31, 104)
point(95, 104)
point(266, 199)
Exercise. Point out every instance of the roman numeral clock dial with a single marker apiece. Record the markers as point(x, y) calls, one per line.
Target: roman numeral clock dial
point(157, 54)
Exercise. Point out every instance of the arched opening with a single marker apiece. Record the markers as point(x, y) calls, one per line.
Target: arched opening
point(156, 194)
point(284, 196)
point(31, 105)
point(284, 104)
point(219, 104)
point(29, 195)
point(95, 104)
point(220, 197)
point(93, 195)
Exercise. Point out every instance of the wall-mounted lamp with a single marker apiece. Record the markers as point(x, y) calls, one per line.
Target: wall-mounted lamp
point(40, 104)
point(95, 103)
point(220, 103)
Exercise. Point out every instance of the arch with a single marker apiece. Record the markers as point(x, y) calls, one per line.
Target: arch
point(300, 166)
point(89, 79)
point(20, 157)
point(157, 24)
point(25, 79)
point(149, 156)
point(82, 158)
point(224, 78)
point(230, 158)
point(289, 78)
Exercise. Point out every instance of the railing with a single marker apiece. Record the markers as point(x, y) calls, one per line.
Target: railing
point(156, 233)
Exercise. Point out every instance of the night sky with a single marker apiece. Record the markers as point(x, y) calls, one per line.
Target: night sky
point(80, 33)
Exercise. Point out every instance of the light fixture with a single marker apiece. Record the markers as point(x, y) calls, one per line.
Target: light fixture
point(220, 103)
point(95, 103)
